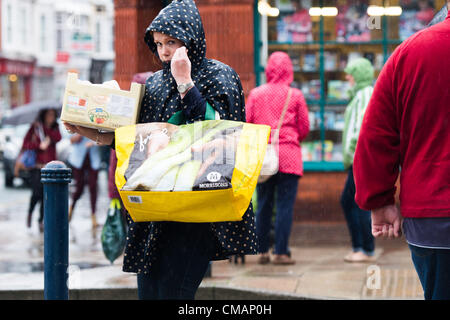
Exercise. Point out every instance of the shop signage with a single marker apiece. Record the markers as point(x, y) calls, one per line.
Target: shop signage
point(82, 42)
point(43, 71)
point(62, 57)
point(20, 68)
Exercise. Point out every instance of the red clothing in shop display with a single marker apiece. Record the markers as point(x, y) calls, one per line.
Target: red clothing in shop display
point(406, 129)
point(32, 142)
point(265, 104)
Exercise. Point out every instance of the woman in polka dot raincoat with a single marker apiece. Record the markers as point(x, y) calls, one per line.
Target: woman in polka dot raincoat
point(171, 258)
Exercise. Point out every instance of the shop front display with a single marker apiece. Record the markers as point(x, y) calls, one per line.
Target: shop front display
point(15, 82)
point(321, 37)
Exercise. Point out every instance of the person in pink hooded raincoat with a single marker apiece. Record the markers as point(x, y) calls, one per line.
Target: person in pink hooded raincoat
point(264, 106)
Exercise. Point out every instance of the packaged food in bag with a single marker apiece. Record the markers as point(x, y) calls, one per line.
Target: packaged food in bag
point(201, 172)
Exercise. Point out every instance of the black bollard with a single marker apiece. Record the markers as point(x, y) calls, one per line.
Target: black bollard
point(56, 178)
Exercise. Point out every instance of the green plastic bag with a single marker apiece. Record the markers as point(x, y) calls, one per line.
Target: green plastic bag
point(113, 233)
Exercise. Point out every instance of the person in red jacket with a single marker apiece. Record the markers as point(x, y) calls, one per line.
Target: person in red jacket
point(406, 131)
point(41, 137)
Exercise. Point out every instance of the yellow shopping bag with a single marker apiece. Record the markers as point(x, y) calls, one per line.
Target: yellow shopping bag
point(206, 171)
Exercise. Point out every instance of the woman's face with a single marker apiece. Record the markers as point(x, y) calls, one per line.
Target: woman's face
point(50, 117)
point(166, 45)
point(350, 79)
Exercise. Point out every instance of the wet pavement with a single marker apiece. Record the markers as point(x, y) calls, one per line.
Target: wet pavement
point(319, 273)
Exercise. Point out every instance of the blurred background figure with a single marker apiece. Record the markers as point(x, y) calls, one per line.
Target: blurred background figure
point(41, 140)
point(85, 160)
point(264, 106)
point(360, 75)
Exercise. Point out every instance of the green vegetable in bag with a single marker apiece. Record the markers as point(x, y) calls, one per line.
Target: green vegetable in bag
point(113, 233)
point(186, 176)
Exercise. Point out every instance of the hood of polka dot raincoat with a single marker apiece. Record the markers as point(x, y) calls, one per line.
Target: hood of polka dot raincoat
point(180, 20)
point(217, 82)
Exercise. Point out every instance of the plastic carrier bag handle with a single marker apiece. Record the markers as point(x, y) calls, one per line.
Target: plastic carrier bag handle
point(178, 117)
point(115, 203)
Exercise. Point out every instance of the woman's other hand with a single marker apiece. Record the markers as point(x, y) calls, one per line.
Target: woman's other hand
point(44, 144)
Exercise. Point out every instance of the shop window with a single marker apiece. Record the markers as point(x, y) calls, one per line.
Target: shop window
point(321, 37)
point(415, 16)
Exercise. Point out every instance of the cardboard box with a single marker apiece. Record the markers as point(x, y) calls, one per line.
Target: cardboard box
point(100, 107)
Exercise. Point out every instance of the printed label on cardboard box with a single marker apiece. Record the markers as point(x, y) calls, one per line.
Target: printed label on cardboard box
point(76, 102)
point(98, 115)
point(100, 100)
point(121, 106)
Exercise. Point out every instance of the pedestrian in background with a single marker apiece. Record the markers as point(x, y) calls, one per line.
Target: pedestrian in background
point(406, 131)
point(171, 258)
point(41, 138)
point(264, 106)
point(360, 75)
point(85, 161)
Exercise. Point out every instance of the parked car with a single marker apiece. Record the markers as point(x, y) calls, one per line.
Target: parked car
point(13, 139)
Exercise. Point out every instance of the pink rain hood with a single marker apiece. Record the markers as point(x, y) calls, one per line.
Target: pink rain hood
point(279, 69)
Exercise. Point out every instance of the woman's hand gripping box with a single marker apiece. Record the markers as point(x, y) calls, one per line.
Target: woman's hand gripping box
point(101, 106)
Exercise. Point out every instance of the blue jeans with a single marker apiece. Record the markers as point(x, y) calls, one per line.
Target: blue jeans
point(184, 252)
point(433, 268)
point(359, 221)
point(285, 186)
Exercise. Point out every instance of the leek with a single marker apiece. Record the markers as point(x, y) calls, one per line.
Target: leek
point(150, 178)
point(167, 182)
point(187, 175)
point(179, 142)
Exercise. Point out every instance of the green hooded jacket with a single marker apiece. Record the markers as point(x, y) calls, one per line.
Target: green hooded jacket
point(363, 72)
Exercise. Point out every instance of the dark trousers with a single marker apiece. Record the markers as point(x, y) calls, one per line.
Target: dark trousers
point(433, 268)
point(184, 252)
point(284, 187)
point(85, 175)
point(359, 221)
point(37, 193)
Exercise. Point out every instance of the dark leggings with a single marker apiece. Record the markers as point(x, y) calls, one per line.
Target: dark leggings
point(185, 250)
point(82, 176)
point(37, 193)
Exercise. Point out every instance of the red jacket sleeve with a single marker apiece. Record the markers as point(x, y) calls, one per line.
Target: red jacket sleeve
point(54, 134)
point(377, 155)
point(302, 118)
